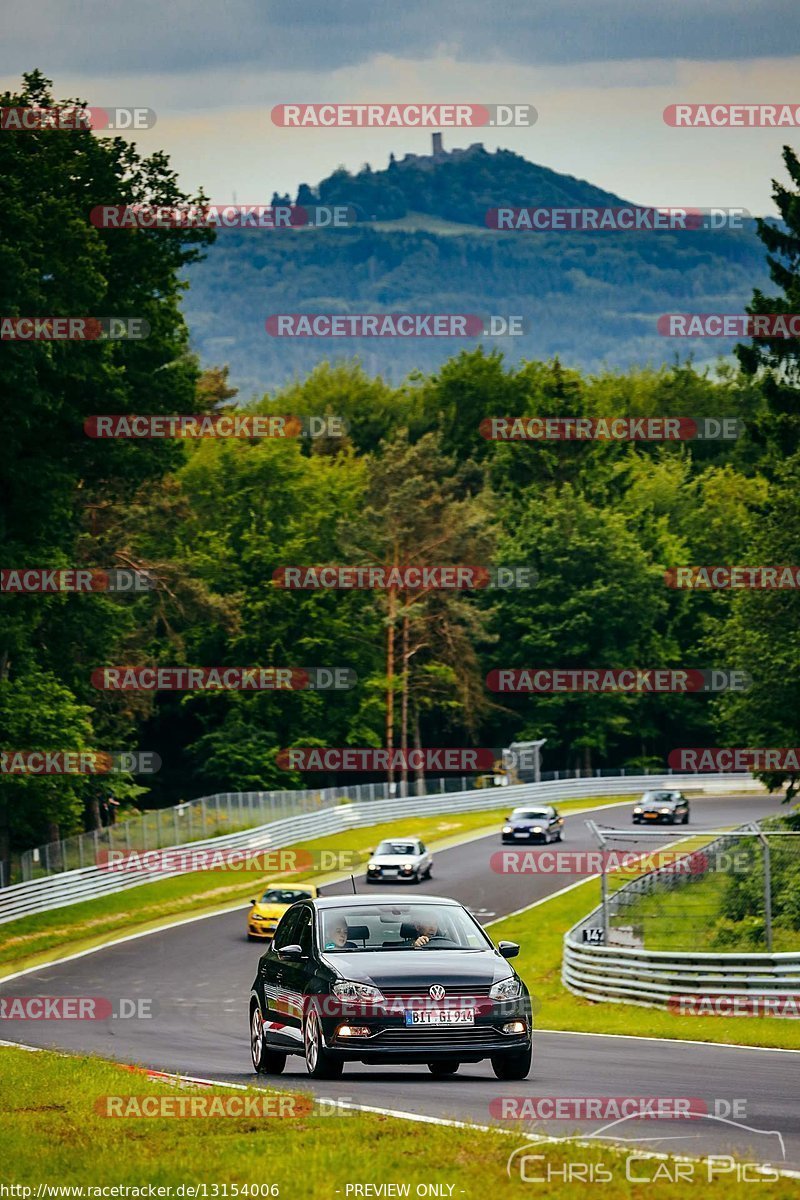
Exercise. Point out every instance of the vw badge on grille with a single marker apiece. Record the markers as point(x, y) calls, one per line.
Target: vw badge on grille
point(436, 992)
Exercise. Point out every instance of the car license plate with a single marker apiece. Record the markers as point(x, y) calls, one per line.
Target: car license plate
point(389, 870)
point(521, 834)
point(440, 1016)
point(651, 816)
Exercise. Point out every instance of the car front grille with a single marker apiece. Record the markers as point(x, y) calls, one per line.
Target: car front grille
point(457, 993)
point(439, 1036)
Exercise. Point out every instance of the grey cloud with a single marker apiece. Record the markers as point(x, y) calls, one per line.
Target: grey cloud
point(93, 36)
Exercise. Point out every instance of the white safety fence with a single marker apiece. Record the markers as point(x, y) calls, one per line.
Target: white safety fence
point(86, 883)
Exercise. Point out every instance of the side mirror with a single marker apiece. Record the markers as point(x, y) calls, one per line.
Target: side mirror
point(291, 953)
point(370, 850)
point(508, 949)
point(252, 902)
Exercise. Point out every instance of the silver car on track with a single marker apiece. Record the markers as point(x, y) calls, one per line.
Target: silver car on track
point(399, 858)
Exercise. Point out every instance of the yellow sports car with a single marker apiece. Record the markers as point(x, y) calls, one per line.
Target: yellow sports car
point(263, 917)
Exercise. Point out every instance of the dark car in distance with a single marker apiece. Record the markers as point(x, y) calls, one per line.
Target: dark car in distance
point(665, 808)
point(534, 823)
point(384, 981)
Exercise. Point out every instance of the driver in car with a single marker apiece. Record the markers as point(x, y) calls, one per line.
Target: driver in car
point(427, 929)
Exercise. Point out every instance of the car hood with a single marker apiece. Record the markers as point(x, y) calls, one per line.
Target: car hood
point(268, 910)
point(650, 805)
point(420, 968)
point(392, 860)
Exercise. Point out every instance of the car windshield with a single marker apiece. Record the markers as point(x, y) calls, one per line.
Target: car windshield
point(397, 848)
point(657, 798)
point(395, 927)
point(531, 814)
point(283, 896)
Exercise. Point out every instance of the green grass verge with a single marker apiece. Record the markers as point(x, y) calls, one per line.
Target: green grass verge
point(35, 939)
point(51, 1133)
point(540, 932)
point(688, 918)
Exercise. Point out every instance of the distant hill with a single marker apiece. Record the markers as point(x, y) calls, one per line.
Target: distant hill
point(456, 185)
point(422, 245)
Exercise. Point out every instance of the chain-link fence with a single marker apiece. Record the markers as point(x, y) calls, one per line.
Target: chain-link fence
point(229, 812)
point(713, 891)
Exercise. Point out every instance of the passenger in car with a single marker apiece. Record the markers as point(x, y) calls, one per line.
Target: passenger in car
point(336, 936)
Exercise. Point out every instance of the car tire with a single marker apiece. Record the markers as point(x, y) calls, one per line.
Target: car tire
point(265, 1061)
point(560, 837)
point(512, 1066)
point(441, 1070)
point(319, 1063)
point(429, 872)
point(686, 819)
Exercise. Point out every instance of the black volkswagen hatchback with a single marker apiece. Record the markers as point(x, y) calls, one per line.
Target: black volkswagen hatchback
point(388, 980)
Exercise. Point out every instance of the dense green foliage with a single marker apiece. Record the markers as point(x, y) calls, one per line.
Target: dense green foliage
point(413, 481)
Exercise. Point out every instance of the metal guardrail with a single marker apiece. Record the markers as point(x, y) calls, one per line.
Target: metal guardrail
point(231, 812)
point(71, 887)
point(663, 978)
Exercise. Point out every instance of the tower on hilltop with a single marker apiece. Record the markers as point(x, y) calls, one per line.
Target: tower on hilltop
point(438, 149)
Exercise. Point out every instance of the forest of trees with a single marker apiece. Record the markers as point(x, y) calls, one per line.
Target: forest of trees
point(413, 481)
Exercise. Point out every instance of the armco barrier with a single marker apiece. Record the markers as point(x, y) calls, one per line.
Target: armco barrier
point(661, 978)
point(70, 887)
point(658, 978)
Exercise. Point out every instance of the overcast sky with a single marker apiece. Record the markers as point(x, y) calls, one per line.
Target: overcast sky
point(599, 72)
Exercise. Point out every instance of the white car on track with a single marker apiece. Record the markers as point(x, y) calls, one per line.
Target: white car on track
point(398, 859)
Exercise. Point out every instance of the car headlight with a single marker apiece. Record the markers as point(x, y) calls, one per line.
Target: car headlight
point(372, 866)
point(666, 810)
point(637, 810)
point(536, 829)
point(346, 989)
point(507, 829)
point(407, 867)
point(506, 989)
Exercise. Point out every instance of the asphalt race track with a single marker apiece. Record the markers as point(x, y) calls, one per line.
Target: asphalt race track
point(198, 976)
